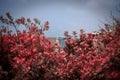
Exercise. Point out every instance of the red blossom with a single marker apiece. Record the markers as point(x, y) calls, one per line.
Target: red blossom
point(28, 20)
point(29, 55)
point(74, 32)
point(46, 25)
point(66, 33)
point(36, 21)
point(81, 30)
point(34, 50)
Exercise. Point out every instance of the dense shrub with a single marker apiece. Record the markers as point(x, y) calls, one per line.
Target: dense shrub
point(29, 55)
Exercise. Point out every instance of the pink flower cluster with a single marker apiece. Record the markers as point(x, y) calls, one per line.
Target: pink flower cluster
point(29, 55)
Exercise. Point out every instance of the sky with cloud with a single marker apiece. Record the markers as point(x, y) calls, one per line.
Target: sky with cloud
point(70, 15)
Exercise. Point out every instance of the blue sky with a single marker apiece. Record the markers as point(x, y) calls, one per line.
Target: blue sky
point(63, 15)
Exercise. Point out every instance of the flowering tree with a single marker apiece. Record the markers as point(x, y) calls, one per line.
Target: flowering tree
point(27, 51)
point(29, 55)
point(96, 55)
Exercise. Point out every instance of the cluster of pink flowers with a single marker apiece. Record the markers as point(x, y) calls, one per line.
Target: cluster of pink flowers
point(29, 55)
